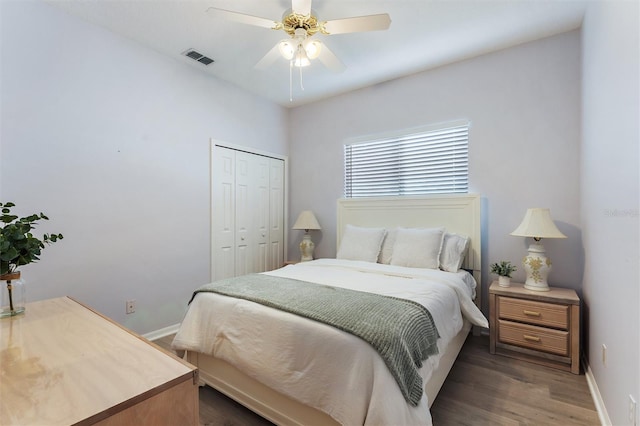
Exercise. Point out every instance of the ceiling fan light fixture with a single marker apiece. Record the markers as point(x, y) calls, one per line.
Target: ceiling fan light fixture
point(312, 48)
point(287, 49)
point(301, 62)
point(301, 59)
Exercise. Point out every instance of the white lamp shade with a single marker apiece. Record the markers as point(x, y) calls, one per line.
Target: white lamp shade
point(537, 223)
point(306, 221)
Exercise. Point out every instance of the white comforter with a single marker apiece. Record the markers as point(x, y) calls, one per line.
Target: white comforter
point(321, 366)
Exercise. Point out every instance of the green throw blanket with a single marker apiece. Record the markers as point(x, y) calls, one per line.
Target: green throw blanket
point(402, 331)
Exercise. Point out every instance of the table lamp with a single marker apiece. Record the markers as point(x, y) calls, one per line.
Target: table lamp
point(306, 221)
point(537, 223)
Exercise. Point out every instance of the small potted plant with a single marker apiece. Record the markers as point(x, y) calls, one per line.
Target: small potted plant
point(18, 247)
point(503, 270)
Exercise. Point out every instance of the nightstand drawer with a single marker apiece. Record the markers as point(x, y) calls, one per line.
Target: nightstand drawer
point(530, 336)
point(539, 313)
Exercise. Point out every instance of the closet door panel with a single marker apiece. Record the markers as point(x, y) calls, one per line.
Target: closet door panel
point(223, 212)
point(244, 213)
point(225, 256)
point(276, 213)
point(262, 213)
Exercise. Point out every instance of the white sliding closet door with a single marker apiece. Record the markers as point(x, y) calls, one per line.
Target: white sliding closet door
point(247, 212)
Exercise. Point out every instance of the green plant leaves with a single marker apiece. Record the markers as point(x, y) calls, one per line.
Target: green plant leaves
point(503, 269)
point(18, 246)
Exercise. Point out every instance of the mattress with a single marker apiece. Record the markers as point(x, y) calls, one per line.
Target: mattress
point(316, 364)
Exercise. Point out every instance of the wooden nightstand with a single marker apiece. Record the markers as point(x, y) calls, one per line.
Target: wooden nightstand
point(540, 327)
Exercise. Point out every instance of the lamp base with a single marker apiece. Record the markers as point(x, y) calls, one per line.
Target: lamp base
point(536, 286)
point(306, 248)
point(537, 265)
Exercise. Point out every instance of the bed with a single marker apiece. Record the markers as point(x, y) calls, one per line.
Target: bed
point(293, 370)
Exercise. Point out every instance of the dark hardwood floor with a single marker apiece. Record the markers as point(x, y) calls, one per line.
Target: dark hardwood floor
point(481, 389)
point(485, 389)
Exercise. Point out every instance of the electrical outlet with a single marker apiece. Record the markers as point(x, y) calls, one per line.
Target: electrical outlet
point(632, 411)
point(130, 306)
point(604, 354)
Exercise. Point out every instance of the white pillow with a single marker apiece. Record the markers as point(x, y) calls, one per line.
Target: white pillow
point(361, 243)
point(454, 248)
point(387, 246)
point(418, 247)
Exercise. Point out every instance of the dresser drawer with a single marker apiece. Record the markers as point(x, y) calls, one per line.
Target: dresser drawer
point(532, 337)
point(532, 312)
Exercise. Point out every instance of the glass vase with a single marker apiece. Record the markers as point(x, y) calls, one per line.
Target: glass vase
point(12, 295)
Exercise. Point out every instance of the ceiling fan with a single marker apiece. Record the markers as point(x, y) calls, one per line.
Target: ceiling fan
point(301, 24)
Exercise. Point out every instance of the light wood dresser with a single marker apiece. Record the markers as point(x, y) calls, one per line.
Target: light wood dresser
point(62, 363)
point(538, 326)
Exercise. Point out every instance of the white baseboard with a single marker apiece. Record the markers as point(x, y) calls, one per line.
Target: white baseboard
point(159, 334)
point(595, 394)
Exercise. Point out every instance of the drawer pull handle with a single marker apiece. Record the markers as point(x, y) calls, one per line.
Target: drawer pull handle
point(532, 313)
point(531, 338)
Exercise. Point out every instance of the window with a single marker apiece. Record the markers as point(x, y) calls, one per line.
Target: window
point(428, 161)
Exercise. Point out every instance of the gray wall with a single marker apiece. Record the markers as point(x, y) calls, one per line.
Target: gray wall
point(524, 108)
point(610, 186)
point(111, 141)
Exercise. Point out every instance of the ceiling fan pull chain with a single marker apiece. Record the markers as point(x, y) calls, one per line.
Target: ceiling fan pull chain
point(301, 86)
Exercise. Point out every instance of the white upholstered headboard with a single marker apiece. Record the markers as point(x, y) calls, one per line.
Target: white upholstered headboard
point(459, 214)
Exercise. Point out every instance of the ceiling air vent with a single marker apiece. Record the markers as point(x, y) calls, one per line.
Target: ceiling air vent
point(196, 56)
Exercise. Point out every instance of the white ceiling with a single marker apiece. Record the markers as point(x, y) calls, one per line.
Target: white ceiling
point(423, 34)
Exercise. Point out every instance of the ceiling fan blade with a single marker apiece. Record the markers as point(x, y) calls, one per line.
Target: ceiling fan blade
point(358, 24)
point(330, 60)
point(243, 18)
point(301, 7)
point(268, 59)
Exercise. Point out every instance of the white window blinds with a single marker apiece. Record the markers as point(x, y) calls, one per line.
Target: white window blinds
point(425, 162)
